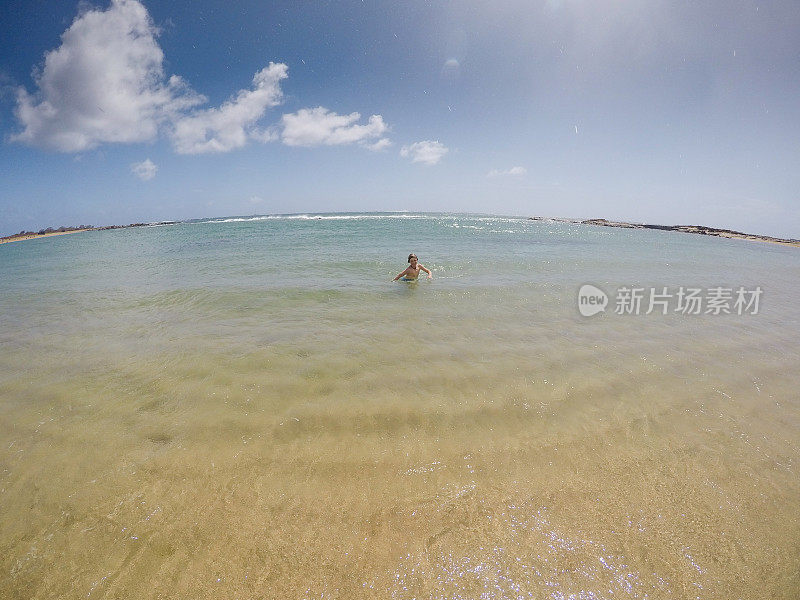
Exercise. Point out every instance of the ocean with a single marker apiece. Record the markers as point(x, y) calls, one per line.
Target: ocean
point(250, 407)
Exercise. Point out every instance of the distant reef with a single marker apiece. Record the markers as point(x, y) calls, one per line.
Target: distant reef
point(27, 235)
point(696, 229)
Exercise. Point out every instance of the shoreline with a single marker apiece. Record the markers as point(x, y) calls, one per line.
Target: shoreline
point(694, 229)
point(32, 236)
point(43, 233)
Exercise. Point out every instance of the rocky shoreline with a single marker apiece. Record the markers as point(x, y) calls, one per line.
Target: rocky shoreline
point(696, 229)
point(28, 235)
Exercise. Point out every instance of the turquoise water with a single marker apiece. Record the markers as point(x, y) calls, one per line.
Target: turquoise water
point(250, 407)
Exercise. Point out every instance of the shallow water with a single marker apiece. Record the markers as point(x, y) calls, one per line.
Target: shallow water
point(251, 408)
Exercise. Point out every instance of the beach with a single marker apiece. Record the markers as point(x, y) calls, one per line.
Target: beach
point(250, 407)
point(50, 231)
point(33, 236)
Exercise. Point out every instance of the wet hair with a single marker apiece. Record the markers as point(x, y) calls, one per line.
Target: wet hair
point(412, 255)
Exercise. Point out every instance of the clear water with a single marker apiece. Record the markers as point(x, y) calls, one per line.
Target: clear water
point(249, 407)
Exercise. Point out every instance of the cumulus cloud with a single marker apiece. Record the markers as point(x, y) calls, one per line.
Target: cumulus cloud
point(105, 83)
point(381, 144)
point(426, 151)
point(322, 127)
point(229, 126)
point(512, 172)
point(144, 170)
point(264, 135)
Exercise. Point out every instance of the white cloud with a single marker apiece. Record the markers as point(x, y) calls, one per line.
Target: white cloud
point(381, 144)
point(144, 170)
point(513, 171)
point(264, 135)
point(229, 126)
point(322, 127)
point(105, 83)
point(426, 151)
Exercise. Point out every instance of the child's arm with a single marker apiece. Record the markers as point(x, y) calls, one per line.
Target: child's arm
point(426, 270)
point(401, 274)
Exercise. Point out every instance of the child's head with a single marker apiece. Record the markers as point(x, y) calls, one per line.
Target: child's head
point(412, 257)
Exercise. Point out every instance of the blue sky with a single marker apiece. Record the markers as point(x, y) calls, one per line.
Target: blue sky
point(663, 112)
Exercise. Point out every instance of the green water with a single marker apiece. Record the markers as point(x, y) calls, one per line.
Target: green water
point(251, 408)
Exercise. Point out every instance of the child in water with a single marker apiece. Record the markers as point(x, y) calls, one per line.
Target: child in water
point(412, 272)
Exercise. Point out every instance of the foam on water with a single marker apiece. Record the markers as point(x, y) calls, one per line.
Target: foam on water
point(252, 408)
point(320, 217)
